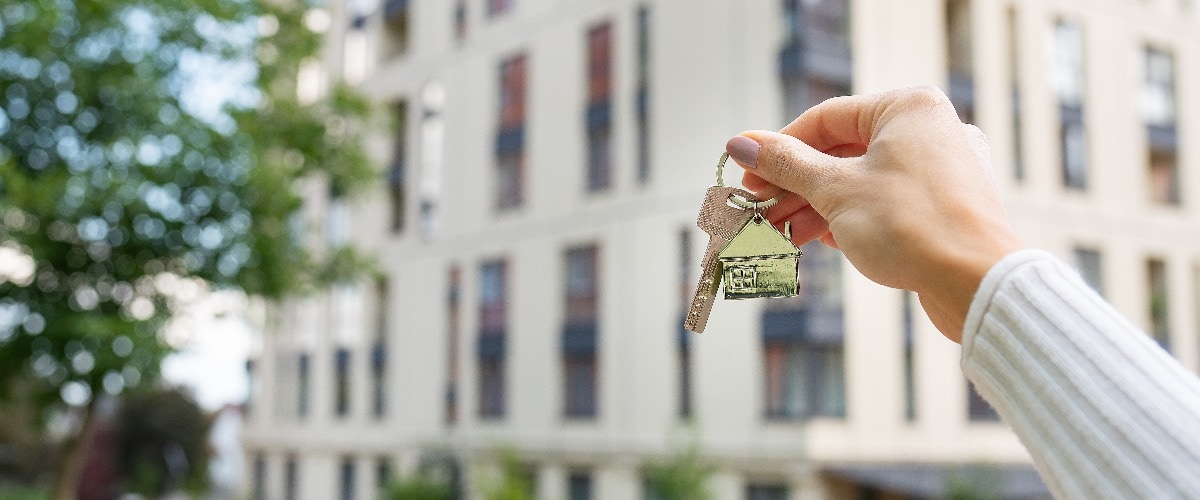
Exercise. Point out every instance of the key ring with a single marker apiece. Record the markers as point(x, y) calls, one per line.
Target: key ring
point(738, 200)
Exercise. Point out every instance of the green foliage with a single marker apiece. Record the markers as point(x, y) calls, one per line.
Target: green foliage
point(515, 482)
point(681, 477)
point(418, 487)
point(22, 493)
point(974, 482)
point(116, 170)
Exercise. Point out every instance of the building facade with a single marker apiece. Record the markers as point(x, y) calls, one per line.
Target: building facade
point(543, 162)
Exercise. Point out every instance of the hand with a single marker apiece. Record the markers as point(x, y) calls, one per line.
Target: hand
point(895, 181)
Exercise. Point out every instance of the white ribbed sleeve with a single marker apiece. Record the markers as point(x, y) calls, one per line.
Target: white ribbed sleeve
point(1103, 410)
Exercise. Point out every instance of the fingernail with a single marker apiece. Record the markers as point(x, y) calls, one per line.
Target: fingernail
point(744, 150)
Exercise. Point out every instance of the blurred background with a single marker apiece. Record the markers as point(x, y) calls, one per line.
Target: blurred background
point(367, 249)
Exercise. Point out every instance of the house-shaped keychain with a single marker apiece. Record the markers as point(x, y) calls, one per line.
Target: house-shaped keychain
point(760, 261)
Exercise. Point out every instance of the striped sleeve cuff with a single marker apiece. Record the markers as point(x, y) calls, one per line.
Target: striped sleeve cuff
point(1103, 410)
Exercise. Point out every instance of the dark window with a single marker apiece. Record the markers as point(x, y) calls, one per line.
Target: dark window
point(1069, 85)
point(259, 480)
point(383, 472)
point(510, 137)
point(1159, 302)
point(498, 7)
point(460, 20)
point(396, 173)
point(803, 345)
point(1158, 109)
point(815, 62)
point(493, 323)
point(347, 478)
point(379, 349)
point(251, 386)
point(580, 332)
point(910, 375)
point(303, 382)
point(684, 341)
point(599, 107)
point(959, 58)
point(396, 17)
point(341, 389)
point(642, 107)
point(766, 492)
point(453, 319)
point(978, 409)
point(1090, 264)
point(289, 478)
point(1014, 71)
point(579, 486)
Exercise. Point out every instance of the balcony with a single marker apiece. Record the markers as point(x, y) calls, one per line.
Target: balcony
point(817, 54)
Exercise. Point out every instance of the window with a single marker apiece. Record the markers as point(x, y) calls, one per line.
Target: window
point(910, 375)
point(1158, 303)
point(959, 58)
point(978, 409)
point(433, 131)
point(396, 18)
point(379, 349)
point(303, 381)
point(599, 108)
point(396, 173)
point(341, 388)
point(580, 332)
point(815, 62)
point(460, 20)
point(803, 358)
point(493, 324)
point(1158, 109)
point(453, 319)
point(510, 138)
point(383, 472)
point(643, 94)
point(579, 486)
point(1091, 267)
point(684, 342)
point(757, 491)
point(252, 388)
point(289, 478)
point(346, 478)
point(258, 486)
point(498, 7)
point(1014, 72)
point(1069, 85)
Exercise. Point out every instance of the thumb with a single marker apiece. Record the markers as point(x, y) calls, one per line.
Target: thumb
point(789, 163)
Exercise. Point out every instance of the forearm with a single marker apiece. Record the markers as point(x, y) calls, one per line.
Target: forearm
point(1102, 409)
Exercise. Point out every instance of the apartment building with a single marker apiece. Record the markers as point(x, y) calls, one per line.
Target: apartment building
point(543, 162)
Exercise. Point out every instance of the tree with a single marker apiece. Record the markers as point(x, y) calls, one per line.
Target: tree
point(162, 442)
point(121, 186)
point(682, 476)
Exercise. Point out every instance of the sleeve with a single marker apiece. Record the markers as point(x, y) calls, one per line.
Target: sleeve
point(1104, 411)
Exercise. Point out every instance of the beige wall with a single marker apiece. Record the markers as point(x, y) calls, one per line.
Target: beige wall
point(715, 74)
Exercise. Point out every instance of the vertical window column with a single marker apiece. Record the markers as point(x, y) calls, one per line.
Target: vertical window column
point(599, 108)
point(579, 338)
point(643, 94)
point(1158, 110)
point(493, 325)
point(1158, 303)
point(1090, 264)
point(341, 381)
point(510, 136)
point(910, 365)
point(804, 343)
point(453, 319)
point(959, 58)
point(1014, 74)
point(379, 349)
point(347, 478)
point(815, 62)
point(1069, 86)
point(303, 384)
point(396, 172)
point(290, 478)
point(685, 340)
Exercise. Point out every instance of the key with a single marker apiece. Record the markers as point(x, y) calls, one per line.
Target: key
point(721, 221)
